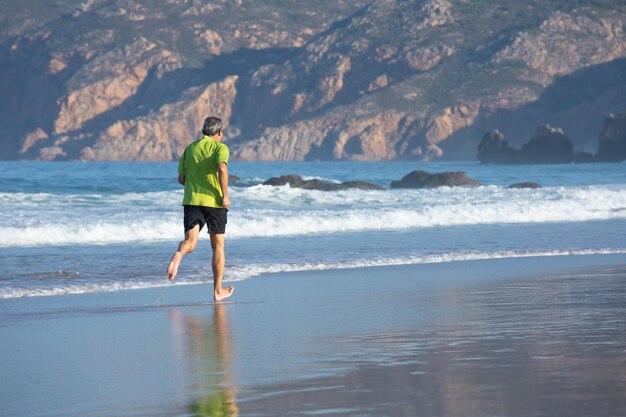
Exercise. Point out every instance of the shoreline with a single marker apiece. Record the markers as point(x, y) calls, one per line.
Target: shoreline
point(118, 288)
point(517, 336)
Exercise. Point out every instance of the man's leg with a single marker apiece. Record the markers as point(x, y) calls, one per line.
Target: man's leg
point(185, 247)
point(217, 244)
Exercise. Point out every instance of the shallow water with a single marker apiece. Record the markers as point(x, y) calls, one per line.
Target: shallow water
point(71, 227)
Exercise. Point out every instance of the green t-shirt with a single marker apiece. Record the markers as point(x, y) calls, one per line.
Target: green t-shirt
point(198, 164)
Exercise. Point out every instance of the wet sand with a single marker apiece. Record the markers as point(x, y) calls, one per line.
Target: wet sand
point(508, 337)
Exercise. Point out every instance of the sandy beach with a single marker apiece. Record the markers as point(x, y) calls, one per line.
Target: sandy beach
point(538, 336)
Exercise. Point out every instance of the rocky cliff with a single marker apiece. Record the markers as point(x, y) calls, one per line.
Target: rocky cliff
point(357, 80)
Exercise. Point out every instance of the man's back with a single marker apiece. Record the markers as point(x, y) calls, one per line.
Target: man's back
point(199, 164)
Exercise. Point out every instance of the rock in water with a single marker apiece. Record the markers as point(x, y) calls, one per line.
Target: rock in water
point(423, 179)
point(531, 185)
point(494, 149)
point(548, 146)
point(358, 185)
point(295, 181)
point(612, 140)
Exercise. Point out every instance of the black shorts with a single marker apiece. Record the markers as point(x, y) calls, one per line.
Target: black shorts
point(215, 218)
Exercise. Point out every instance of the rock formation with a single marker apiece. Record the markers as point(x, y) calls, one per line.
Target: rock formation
point(494, 149)
point(109, 80)
point(612, 140)
point(423, 179)
point(556, 46)
point(548, 146)
point(551, 146)
point(164, 134)
point(296, 181)
point(530, 185)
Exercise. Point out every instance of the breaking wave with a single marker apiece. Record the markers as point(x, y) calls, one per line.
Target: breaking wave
point(263, 211)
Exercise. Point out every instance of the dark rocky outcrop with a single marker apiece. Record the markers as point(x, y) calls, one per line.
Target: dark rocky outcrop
point(494, 149)
point(423, 179)
point(295, 181)
point(612, 140)
point(549, 146)
point(531, 185)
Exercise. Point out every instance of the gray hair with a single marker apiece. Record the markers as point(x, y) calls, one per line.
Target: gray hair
point(212, 125)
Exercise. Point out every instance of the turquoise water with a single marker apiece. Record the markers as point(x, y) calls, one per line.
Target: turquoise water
point(73, 227)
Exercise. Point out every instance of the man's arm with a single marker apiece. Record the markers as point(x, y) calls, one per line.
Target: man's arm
point(181, 179)
point(222, 173)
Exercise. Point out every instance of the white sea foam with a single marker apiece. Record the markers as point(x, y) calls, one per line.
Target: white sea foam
point(243, 272)
point(89, 233)
point(6, 293)
point(263, 211)
point(249, 271)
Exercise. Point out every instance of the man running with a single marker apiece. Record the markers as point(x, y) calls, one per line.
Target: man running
point(203, 170)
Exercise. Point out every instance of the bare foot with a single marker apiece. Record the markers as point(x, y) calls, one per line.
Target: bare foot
point(172, 269)
point(223, 293)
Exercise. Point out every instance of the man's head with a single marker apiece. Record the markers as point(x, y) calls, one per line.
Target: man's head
point(212, 126)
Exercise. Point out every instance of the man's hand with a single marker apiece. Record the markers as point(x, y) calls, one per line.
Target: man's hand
point(226, 201)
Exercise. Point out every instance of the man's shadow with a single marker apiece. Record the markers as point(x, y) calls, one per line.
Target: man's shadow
point(207, 348)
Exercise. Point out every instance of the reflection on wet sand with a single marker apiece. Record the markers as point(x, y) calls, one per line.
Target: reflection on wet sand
point(207, 348)
point(551, 346)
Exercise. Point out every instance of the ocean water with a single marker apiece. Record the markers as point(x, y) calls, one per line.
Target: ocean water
point(73, 227)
